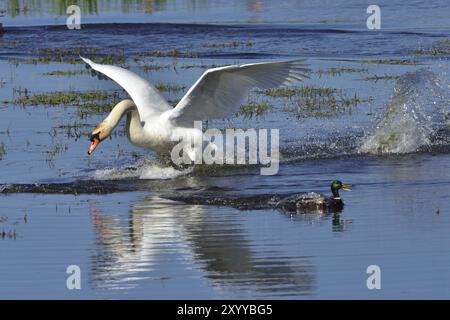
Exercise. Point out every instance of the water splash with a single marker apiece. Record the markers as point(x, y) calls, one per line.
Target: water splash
point(413, 115)
point(147, 169)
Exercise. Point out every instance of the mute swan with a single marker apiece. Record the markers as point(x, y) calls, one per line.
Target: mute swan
point(154, 124)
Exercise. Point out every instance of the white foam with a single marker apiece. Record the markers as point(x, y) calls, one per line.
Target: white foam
point(408, 120)
point(150, 171)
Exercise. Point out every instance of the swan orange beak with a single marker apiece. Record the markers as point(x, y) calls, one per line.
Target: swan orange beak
point(94, 144)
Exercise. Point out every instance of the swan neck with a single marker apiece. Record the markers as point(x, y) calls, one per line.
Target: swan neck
point(119, 111)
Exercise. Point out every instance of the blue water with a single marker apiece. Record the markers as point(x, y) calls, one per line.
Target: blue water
point(132, 242)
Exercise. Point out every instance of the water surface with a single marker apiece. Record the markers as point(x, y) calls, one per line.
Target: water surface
point(110, 213)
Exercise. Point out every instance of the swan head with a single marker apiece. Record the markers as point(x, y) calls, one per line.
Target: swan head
point(100, 133)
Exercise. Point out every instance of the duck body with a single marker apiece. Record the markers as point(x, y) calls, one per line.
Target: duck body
point(310, 202)
point(297, 203)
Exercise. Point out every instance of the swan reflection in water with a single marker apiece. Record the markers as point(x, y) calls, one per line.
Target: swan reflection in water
point(162, 240)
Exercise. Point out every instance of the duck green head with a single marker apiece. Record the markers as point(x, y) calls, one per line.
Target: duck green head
point(336, 185)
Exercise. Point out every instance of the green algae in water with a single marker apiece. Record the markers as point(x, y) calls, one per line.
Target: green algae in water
point(174, 53)
point(24, 98)
point(311, 101)
point(66, 72)
point(167, 87)
point(230, 44)
point(254, 109)
point(338, 71)
point(380, 77)
point(2, 151)
point(440, 48)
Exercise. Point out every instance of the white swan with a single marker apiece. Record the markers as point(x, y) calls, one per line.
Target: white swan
point(154, 124)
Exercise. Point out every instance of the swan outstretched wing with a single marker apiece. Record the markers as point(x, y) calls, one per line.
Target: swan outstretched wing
point(219, 92)
point(146, 97)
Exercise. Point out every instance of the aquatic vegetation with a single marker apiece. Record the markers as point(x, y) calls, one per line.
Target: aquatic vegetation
point(315, 101)
point(323, 106)
point(167, 87)
point(201, 66)
point(86, 110)
point(380, 77)
point(24, 98)
point(154, 67)
point(305, 91)
point(230, 44)
point(87, 103)
point(11, 234)
point(340, 70)
point(254, 109)
point(73, 129)
point(70, 56)
point(109, 59)
point(67, 51)
point(174, 53)
point(440, 48)
point(9, 44)
point(66, 72)
point(7, 131)
point(2, 150)
point(391, 61)
point(55, 149)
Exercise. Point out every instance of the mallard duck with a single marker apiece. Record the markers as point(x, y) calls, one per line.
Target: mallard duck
point(315, 202)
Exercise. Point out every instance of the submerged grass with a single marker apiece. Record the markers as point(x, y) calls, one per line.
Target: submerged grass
point(66, 72)
point(85, 110)
point(440, 48)
point(67, 51)
point(379, 61)
point(107, 59)
point(254, 109)
point(73, 130)
point(311, 101)
point(87, 102)
point(376, 77)
point(306, 91)
point(340, 70)
point(70, 56)
point(2, 150)
point(11, 234)
point(391, 61)
point(201, 66)
point(174, 53)
point(230, 44)
point(167, 87)
point(55, 149)
point(155, 67)
point(24, 98)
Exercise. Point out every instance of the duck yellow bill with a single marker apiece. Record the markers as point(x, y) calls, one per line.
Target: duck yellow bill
point(346, 187)
point(94, 144)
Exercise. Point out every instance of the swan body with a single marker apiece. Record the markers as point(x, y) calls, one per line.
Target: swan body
point(154, 124)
